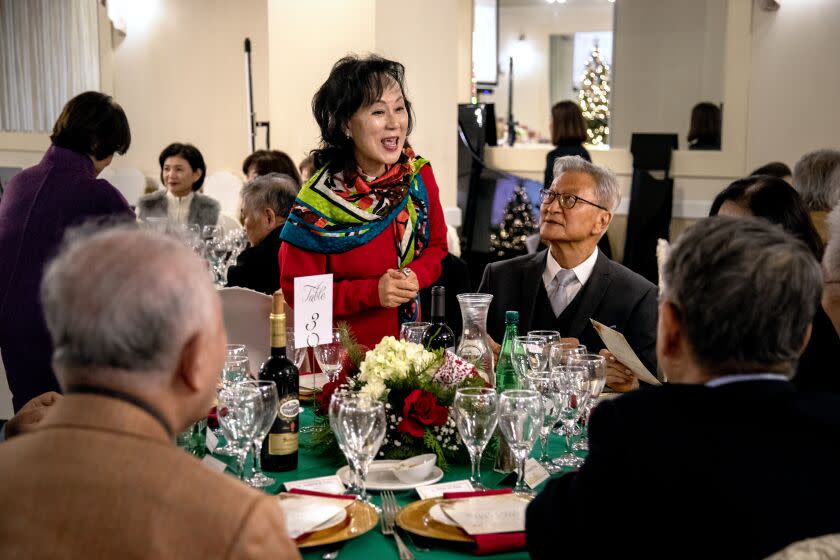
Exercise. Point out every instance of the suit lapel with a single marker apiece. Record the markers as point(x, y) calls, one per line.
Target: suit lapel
point(592, 294)
point(530, 285)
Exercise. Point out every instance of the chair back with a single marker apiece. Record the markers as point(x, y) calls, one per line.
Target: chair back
point(128, 180)
point(224, 187)
point(246, 322)
point(826, 547)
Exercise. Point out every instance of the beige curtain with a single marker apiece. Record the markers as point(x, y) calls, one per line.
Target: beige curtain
point(49, 52)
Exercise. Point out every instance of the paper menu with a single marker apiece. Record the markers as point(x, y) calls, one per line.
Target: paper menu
point(620, 348)
point(503, 513)
point(313, 309)
point(328, 484)
point(302, 513)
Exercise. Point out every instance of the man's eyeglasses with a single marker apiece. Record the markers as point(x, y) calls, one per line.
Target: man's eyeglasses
point(567, 200)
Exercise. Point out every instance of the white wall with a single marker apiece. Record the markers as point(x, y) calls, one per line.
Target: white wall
point(794, 81)
point(531, 74)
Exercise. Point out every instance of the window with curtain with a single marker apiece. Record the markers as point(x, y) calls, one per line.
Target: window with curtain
point(49, 52)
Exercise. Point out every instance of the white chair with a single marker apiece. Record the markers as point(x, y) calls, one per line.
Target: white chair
point(246, 322)
point(224, 187)
point(228, 224)
point(129, 181)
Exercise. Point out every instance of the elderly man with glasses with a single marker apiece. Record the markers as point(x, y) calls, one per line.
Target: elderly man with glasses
point(563, 287)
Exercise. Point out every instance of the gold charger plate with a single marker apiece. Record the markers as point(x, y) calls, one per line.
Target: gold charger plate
point(361, 518)
point(415, 518)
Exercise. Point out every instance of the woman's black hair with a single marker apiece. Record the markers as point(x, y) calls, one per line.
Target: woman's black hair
point(189, 153)
point(271, 161)
point(92, 123)
point(705, 127)
point(353, 83)
point(777, 202)
point(775, 169)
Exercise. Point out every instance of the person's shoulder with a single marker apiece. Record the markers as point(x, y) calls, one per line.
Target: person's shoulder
point(516, 263)
point(207, 201)
point(623, 275)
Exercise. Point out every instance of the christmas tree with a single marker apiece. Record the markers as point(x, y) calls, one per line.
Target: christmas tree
point(516, 226)
point(594, 98)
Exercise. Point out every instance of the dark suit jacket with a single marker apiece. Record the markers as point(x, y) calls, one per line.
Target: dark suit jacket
point(38, 206)
point(613, 295)
point(688, 471)
point(258, 267)
point(813, 372)
point(560, 151)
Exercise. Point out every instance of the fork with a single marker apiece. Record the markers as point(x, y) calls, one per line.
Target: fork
point(389, 515)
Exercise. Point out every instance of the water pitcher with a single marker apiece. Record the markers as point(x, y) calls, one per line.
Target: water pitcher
point(474, 345)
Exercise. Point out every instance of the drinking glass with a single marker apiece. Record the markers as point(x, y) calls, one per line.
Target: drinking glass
point(520, 421)
point(548, 385)
point(551, 338)
point(528, 354)
point(339, 396)
point(268, 412)
point(596, 366)
point(234, 371)
point(217, 252)
point(329, 355)
point(573, 396)
point(240, 416)
point(295, 353)
point(414, 331)
point(361, 423)
point(562, 351)
point(157, 224)
point(475, 410)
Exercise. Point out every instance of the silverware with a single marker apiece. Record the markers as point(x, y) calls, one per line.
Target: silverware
point(332, 554)
point(389, 516)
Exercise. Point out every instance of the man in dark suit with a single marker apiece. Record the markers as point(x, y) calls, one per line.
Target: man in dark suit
point(266, 202)
point(729, 460)
point(565, 286)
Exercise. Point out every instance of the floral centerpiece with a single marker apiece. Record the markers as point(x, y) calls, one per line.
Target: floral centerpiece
point(417, 386)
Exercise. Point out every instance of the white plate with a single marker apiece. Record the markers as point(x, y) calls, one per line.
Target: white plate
point(332, 521)
point(381, 477)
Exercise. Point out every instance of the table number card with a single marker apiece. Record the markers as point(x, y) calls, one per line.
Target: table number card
point(211, 441)
point(438, 490)
point(535, 473)
point(313, 308)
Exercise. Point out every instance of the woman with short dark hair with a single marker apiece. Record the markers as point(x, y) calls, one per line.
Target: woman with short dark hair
point(263, 162)
point(182, 172)
point(568, 133)
point(704, 133)
point(370, 215)
point(37, 207)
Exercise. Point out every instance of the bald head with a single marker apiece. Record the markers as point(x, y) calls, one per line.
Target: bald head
point(125, 299)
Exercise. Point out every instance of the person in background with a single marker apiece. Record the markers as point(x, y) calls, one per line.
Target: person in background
point(139, 344)
point(307, 168)
point(266, 202)
point(817, 178)
point(777, 202)
point(702, 458)
point(263, 162)
point(568, 133)
point(705, 130)
point(29, 416)
point(38, 206)
point(563, 287)
point(371, 214)
point(776, 169)
point(831, 270)
point(182, 172)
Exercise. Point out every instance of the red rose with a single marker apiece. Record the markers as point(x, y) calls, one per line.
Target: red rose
point(322, 399)
point(419, 410)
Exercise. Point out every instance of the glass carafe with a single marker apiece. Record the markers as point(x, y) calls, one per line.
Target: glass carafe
point(474, 345)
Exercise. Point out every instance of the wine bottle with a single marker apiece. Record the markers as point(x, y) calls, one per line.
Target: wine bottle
point(506, 379)
point(438, 334)
point(280, 447)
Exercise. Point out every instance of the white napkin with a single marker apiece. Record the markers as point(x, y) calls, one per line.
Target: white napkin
point(304, 513)
point(504, 513)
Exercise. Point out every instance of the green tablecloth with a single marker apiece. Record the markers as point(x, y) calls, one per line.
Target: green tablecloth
point(373, 545)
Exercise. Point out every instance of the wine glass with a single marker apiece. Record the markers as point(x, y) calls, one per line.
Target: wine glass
point(413, 331)
point(548, 385)
point(562, 351)
point(295, 352)
point(551, 338)
point(575, 388)
point(520, 421)
point(268, 413)
point(338, 397)
point(361, 423)
point(234, 371)
point(329, 354)
point(528, 354)
point(475, 411)
point(596, 366)
point(217, 252)
point(240, 416)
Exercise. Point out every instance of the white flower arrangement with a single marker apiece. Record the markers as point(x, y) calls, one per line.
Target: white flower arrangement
point(391, 359)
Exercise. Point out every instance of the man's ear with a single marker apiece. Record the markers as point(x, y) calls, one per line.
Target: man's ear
point(189, 363)
point(603, 222)
point(805, 342)
point(670, 330)
point(270, 217)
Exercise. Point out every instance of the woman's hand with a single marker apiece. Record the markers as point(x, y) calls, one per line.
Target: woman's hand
point(396, 288)
point(619, 377)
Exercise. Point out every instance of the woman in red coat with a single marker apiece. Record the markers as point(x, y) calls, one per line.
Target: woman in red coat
point(371, 214)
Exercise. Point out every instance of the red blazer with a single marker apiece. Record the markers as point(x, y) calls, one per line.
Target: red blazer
point(356, 272)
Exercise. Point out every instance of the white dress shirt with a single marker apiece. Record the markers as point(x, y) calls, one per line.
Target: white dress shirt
point(582, 272)
point(178, 209)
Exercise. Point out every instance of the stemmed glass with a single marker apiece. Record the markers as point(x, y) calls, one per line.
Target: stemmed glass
point(528, 354)
point(551, 338)
point(562, 351)
point(295, 352)
point(329, 354)
point(520, 421)
point(234, 371)
point(475, 410)
point(548, 385)
point(240, 416)
point(217, 251)
point(338, 397)
point(268, 407)
point(413, 331)
point(361, 425)
point(573, 396)
point(596, 366)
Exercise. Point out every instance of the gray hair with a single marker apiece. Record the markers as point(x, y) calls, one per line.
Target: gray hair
point(273, 190)
point(831, 256)
point(125, 299)
point(817, 178)
point(606, 185)
point(745, 291)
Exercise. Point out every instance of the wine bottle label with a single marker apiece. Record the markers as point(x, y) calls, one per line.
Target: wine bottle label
point(288, 407)
point(282, 444)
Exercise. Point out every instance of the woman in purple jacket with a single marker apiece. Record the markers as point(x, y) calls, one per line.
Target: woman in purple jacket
point(37, 207)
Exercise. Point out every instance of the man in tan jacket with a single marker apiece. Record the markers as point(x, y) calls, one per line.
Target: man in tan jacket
point(139, 344)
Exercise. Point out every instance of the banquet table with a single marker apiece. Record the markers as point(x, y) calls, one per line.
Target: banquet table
point(373, 544)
